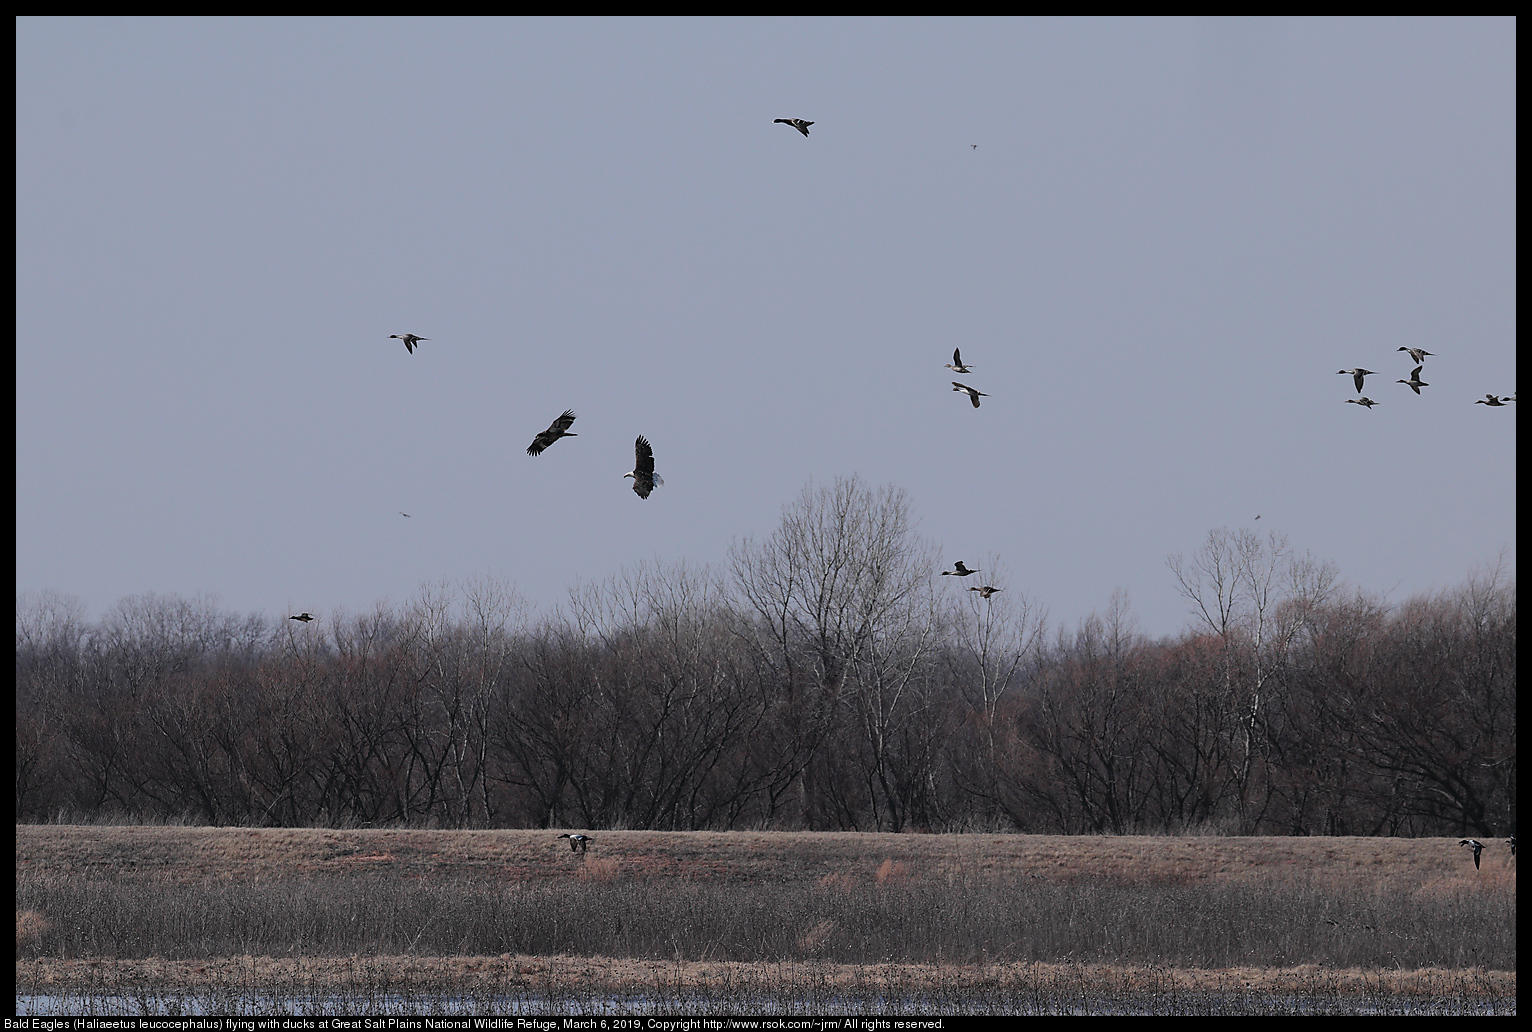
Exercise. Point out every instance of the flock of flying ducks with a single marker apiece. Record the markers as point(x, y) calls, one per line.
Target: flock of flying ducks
point(1414, 383)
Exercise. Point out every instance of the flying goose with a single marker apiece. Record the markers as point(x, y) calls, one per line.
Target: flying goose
point(556, 429)
point(1357, 375)
point(1492, 401)
point(577, 843)
point(986, 591)
point(973, 395)
point(1364, 402)
point(410, 340)
point(1417, 354)
point(304, 617)
point(1414, 383)
point(956, 365)
point(797, 123)
point(645, 479)
point(1478, 847)
point(958, 570)
point(405, 514)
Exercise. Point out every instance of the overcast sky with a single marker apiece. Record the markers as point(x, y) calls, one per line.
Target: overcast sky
point(1171, 235)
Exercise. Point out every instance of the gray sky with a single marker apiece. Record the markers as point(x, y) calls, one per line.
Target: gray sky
point(1170, 237)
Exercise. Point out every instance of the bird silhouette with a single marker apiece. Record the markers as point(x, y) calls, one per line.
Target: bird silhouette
point(556, 429)
point(303, 617)
point(956, 365)
point(797, 123)
point(986, 591)
point(973, 395)
point(1357, 374)
point(1478, 847)
point(1418, 354)
point(1414, 383)
point(645, 479)
point(410, 340)
point(1364, 402)
point(577, 843)
point(958, 570)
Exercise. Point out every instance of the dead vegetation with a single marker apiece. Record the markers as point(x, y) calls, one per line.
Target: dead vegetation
point(118, 905)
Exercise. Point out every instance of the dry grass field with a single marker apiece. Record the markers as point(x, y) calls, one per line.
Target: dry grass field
point(307, 909)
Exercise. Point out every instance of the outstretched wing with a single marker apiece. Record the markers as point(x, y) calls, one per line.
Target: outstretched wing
point(555, 430)
point(957, 357)
point(643, 467)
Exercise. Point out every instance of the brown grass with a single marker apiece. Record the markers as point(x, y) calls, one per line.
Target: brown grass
point(159, 854)
point(701, 909)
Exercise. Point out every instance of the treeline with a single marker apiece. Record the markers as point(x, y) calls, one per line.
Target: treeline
point(827, 680)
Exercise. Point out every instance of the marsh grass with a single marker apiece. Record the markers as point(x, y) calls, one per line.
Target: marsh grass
point(1208, 925)
point(818, 924)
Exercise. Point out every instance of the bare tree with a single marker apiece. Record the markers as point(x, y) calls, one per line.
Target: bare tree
point(843, 596)
point(1256, 596)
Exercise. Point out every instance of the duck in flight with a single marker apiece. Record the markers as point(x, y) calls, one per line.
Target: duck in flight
point(797, 123)
point(986, 591)
point(1417, 354)
point(1478, 847)
point(410, 340)
point(558, 428)
point(303, 617)
point(645, 479)
point(956, 365)
point(1491, 400)
point(1364, 402)
point(1357, 375)
point(1414, 383)
point(973, 395)
point(577, 843)
point(958, 570)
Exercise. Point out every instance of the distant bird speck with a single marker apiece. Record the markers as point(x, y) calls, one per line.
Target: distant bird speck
point(956, 365)
point(410, 340)
point(958, 570)
point(1490, 400)
point(558, 428)
point(304, 617)
point(797, 123)
point(1364, 402)
point(973, 395)
point(986, 591)
point(1258, 517)
point(975, 146)
point(645, 479)
point(1417, 354)
point(1414, 383)
point(1357, 374)
point(405, 514)
point(1478, 847)
point(1512, 843)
